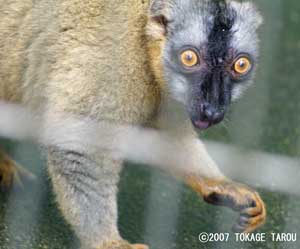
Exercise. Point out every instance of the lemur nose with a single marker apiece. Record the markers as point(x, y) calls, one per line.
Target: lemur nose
point(211, 113)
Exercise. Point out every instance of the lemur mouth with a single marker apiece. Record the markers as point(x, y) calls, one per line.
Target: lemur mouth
point(202, 125)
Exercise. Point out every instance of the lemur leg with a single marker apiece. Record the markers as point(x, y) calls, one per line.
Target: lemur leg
point(11, 173)
point(86, 190)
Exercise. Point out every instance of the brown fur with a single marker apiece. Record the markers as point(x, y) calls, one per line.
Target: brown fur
point(50, 54)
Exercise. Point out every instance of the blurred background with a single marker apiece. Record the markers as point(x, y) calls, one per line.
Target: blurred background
point(258, 144)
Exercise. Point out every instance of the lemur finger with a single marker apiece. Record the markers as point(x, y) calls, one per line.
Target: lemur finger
point(251, 219)
point(255, 210)
point(250, 225)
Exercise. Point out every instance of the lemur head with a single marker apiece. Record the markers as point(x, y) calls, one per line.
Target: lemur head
point(207, 50)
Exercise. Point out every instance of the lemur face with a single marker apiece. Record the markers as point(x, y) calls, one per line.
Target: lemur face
point(210, 54)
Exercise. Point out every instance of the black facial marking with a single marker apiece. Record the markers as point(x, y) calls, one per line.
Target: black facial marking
point(220, 34)
point(217, 50)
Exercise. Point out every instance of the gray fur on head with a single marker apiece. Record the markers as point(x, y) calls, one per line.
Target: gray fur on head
point(245, 36)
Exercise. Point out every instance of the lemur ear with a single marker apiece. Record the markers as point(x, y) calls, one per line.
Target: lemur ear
point(158, 19)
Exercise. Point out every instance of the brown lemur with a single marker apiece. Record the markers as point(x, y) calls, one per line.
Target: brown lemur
point(165, 64)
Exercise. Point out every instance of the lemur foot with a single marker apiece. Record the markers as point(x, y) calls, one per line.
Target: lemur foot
point(140, 246)
point(236, 196)
point(121, 244)
point(12, 174)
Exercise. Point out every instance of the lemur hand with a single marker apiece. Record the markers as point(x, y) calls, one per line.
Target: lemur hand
point(237, 197)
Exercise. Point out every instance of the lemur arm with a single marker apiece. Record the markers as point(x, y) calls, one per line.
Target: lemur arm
point(187, 159)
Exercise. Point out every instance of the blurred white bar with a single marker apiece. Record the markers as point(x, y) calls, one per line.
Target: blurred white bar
point(269, 171)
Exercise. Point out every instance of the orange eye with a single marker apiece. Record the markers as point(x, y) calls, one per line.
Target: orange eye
point(242, 65)
point(189, 58)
